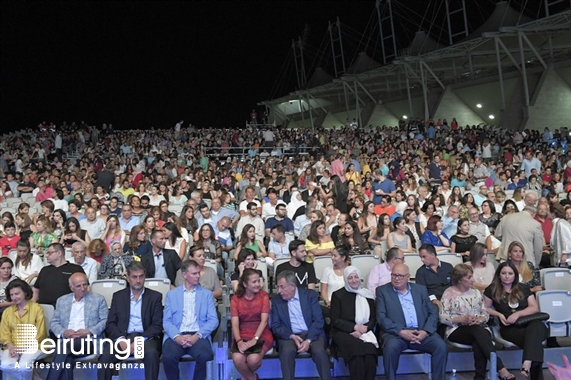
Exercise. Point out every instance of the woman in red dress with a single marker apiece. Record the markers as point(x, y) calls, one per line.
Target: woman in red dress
point(250, 310)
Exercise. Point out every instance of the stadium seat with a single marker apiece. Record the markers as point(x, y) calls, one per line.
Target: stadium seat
point(107, 288)
point(11, 210)
point(364, 263)
point(280, 261)
point(13, 202)
point(413, 262)
point(556, 279)
point(320, 263)
point(48, 315)
point(28, 198)
point(556, 303)
point(161, 285)
point(263, 266)
point(451, 258)
point(175, 208)
point(212, 264)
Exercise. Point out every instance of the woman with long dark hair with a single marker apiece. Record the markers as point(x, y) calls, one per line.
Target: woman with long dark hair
point(463, 241)
point(509, 300)
point(175, 240)
point(353, 239)
point(248, 241)
point(318, 243)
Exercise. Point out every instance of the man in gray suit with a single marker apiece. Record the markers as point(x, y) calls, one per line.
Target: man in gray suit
point(408, 321)
point(77, 315)
point(522, 227)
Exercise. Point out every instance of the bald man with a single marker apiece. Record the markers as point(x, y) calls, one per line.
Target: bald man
point(408, 321)
point(77, 315)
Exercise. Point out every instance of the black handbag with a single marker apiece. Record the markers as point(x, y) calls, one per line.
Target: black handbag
point(255, 349)
point(522, 321)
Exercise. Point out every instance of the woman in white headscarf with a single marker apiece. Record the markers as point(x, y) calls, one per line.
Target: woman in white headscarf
point(353, 320)
point(295, 203)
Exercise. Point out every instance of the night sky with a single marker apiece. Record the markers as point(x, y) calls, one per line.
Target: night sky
point(150, 64)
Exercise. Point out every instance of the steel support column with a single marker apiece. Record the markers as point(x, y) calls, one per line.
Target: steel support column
point(523, 70)
point(500, 75)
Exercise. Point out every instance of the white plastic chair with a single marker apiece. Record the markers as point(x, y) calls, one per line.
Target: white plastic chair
point(263, 266)
point(28, 197)
point(107, 288)
point(320, 263)
point(556, 279)
point(13, 202)
point(280, 261)
point(161, 285)
point(557, 303)
point(48, 315)
point(451, 258)
point(413, 262)
point(364, 263)
point(212, 264)
point(11, 210)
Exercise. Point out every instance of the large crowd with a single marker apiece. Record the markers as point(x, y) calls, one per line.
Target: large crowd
point(253, 208)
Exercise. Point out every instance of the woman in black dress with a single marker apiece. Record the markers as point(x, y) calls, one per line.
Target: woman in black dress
point(508, 300)
point(353, 320)
point(463, 241)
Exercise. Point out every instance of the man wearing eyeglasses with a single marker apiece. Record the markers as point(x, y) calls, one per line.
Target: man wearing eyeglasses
point(477, 228)
point(450, 221)
point(253, 218)
point(53, 280)
point(408, 321)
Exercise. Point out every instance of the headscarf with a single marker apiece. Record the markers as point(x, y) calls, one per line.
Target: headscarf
point(362, 309)
point(294, 204)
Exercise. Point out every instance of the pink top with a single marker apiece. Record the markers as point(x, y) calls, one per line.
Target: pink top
point(379, 275)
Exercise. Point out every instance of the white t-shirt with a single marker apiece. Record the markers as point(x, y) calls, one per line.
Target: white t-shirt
point(333, 281)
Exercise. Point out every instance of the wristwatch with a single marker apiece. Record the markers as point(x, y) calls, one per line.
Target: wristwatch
point(256, 338)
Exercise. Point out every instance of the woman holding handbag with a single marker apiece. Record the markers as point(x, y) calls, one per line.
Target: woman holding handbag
point(463, 312)
point(250, 310)
point(508, 300)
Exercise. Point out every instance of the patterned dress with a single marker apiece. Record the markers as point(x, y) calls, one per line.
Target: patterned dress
point(250, 314)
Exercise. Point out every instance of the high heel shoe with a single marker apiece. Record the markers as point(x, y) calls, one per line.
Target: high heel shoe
point(524, 372)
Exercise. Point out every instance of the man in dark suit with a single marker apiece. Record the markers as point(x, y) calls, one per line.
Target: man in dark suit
point(297, 322)
point(408, 321)
point(161, 263)
point(105, 178)
point(135, 312)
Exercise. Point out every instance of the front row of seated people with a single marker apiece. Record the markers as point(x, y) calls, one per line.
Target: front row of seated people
point(404, 312)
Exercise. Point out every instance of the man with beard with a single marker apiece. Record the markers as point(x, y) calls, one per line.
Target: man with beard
point(304, 272)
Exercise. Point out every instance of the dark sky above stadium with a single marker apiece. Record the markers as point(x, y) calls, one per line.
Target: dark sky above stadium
point(150, 64)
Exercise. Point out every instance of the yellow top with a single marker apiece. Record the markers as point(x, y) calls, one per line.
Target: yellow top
point(355, 177)
point(33, 315)
point(309, 245)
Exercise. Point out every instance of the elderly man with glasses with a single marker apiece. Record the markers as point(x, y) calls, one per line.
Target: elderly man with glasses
point(408, 321)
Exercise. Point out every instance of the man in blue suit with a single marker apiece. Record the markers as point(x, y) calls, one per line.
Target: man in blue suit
point(77, 315)
point(189, 320)
point(296, 320)
point(408, 321)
